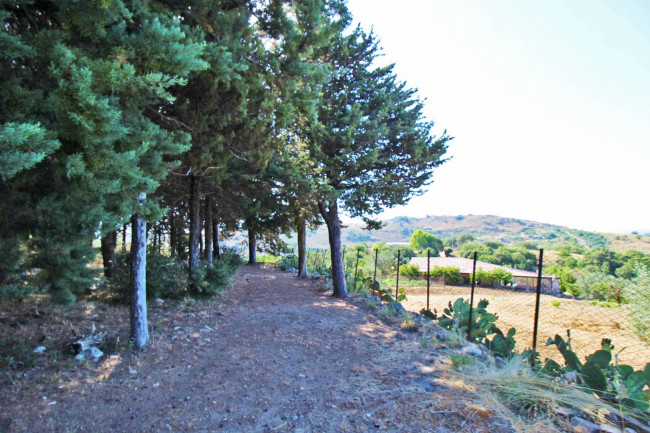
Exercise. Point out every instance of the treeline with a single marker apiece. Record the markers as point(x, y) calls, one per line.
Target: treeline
point(186, 118)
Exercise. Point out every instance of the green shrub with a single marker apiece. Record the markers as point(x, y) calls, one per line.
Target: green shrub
point(451, 274)
point(409, 271)
point(637, 292)
point(166, 277)
point(290, 261)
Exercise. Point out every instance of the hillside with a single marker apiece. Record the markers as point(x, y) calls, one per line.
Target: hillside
point(483, 228)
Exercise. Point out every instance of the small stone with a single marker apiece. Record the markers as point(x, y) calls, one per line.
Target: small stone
point(176, 328)
point(606, 428)
point(581, 425)
point(95, 353)
point(159, 301)
point(206, 328)
point(442, 336)
point(156, 385)
point(51, 403)
point(39, 349)
point(473, 351)
point(302, 376)
point(132, 371)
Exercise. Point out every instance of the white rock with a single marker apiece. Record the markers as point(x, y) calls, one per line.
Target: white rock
point(39, 349)
point(471, 350)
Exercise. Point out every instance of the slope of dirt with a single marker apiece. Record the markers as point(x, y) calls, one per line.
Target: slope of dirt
point(274, 354)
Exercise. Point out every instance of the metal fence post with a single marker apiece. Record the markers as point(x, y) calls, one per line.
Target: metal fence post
point(471, 299)
point(539, 292)
point(428, 276)
point(397, 282)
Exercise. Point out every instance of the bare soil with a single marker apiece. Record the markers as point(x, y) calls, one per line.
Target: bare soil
point(588, 323)
point(274, 354)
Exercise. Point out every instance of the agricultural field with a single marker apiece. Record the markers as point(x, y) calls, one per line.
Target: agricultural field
point(588, 323)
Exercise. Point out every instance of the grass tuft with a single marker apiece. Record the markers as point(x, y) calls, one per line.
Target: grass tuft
point(527, 400)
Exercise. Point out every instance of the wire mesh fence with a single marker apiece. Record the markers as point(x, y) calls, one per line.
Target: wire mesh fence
point(586, 321)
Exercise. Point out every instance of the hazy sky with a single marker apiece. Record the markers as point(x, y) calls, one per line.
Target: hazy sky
point(548, 101)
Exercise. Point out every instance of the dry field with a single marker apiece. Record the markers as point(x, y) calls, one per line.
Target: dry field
point(589, 324)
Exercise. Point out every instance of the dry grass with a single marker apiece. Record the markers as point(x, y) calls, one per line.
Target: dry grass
point(528, 401)
point(589, 324)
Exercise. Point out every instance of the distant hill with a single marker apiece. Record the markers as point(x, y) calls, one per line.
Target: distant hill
point(484, 228)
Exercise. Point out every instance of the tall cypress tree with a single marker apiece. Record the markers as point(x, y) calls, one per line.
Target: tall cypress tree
point(371, 142)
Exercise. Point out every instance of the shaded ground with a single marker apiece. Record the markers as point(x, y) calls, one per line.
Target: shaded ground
point(274, 354)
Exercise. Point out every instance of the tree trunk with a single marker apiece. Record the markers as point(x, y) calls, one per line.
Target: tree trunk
point(208, 230)
point(124, 238)
point(252, 257)
point(331, 217)
point(215, 238)
point(195, 227)
point(302, 249)
point(138, 285)
point(109, 243)
point(172, 233)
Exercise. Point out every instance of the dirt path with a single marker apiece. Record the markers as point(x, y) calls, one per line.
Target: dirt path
point(274, 354)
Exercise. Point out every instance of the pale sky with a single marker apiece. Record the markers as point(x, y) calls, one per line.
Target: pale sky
point(548, 101)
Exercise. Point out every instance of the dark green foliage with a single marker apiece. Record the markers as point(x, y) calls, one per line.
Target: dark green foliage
point(83, 83)
point(610, 381)
point(289, 261)
point(450, 274)
point(517, 257)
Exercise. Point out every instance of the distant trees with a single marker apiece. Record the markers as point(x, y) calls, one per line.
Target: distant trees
point(422, 241)
point(497, 253)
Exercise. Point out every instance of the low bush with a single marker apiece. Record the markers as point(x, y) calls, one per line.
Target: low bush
point(409, 271)
point(451, 274)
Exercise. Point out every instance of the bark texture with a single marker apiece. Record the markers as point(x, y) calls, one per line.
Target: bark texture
point(109, 243)
point(215, 238)
point(138, 284)
point(252, 247)
point(331, 217)
point(208, 231)
point(195, 226)
point(302, 249)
